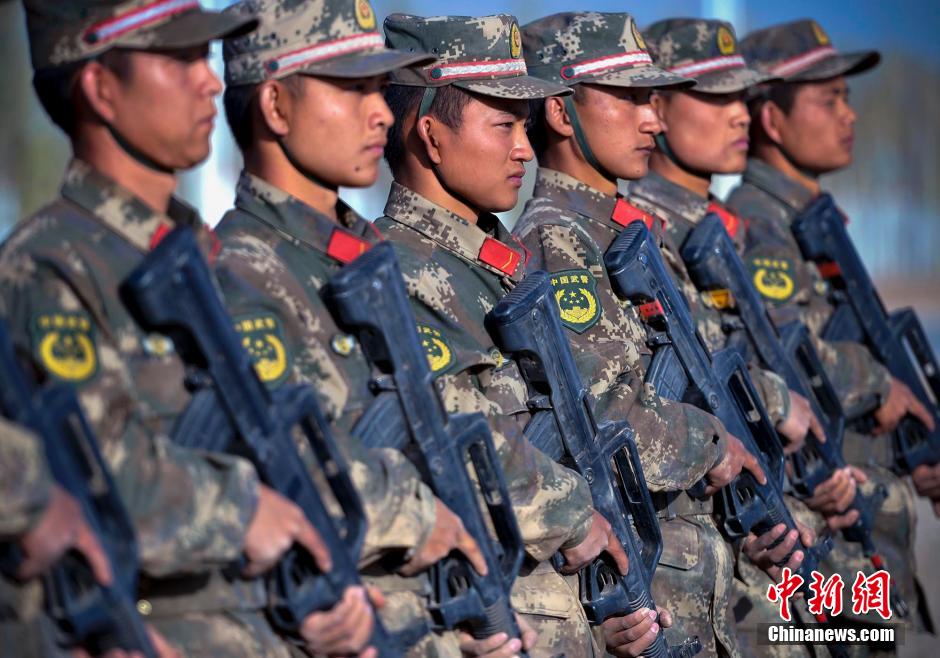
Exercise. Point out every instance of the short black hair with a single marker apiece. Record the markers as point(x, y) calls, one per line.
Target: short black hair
point(537, 130)
point(238, 100)
point(448, 106)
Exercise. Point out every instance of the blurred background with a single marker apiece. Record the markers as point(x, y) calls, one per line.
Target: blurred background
point(891, 193)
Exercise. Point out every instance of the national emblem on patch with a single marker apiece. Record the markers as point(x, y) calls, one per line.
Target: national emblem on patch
point(725, 41)
point(157, 345)
point(364, 14)
point(773, 278)
point(439, 353)
point(820, 34)
point(576, 296)
point(263, 338)
point(638, 37)
point(343, 344)
point(515, 41)
point(65, 345)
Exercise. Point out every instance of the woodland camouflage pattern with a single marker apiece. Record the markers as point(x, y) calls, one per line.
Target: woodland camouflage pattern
point(59, 273)
point(451, 291)
point(566, 227)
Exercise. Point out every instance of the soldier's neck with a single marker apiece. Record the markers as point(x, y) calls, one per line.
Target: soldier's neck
point(153, 188)
point(273, 168)
point(426, 183)
point(773, 156)
point(564, 158)
point(665, 167)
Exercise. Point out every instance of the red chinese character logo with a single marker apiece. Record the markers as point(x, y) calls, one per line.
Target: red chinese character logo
point(872, 593)
point(827, 595)
point(788, 586)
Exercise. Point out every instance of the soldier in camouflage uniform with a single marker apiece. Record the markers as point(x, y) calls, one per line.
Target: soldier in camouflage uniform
point(457, 152)
point(289, 233)
point(800, 130)
point(573, 217)
point(59, 275)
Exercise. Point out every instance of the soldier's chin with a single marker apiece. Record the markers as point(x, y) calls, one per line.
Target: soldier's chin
point(505, 201)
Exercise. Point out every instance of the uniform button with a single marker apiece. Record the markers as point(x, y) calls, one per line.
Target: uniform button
point(144, 607)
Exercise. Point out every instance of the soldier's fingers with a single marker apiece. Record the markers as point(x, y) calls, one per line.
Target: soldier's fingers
point(632, 632)
point(469, 547)
point(615, 550)
point(88, 545)
point(495, 646)
point(816, 428)
point(370, 652)
point(807, 536)
point(795, 560)
point(665, 617)
point(781, 550)
point(858, 474)
point(310, 539)
point(345, 628)
point(750, 463)
point(917, 408)
point(838, 521)
point(375, 596)
point(161, 646)
point(761, 542)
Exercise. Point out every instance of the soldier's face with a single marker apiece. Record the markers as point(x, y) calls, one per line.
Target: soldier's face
point(164, 104)
point(338, 128)
point(620, 125)
point(483, 160)
point(708, 132)
point(819, 131)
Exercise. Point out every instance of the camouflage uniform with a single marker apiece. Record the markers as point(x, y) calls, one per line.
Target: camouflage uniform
point(566, 227)
point(768, 201)
point(59, 276)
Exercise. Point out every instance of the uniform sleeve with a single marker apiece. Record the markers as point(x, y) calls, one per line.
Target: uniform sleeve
point(25, 482)
point(190, 509)
point(773, 392)
point(861, 382)
point(677, 442)
point(400, 509)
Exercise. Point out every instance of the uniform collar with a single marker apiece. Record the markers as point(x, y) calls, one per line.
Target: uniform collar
point(777, 184)
point(569, 193)
point(119, 209)
point(682, 208)
point(301, 224)
point(473, 242)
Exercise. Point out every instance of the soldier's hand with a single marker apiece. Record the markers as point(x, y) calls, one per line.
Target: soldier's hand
point(631, 635)
point(736, 458)
point(346, 628)
point(600, 538)
point(927, 481)
point(277, 524)
point(448, 535)
point(499, 645)
point(833, 496)
point(766, 558)
point(61, 527)
point(901, 401)
point(799, 422)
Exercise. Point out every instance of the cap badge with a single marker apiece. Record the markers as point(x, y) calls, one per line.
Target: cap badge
point(725, 41)
point(515, 41)
point(364, 14)
point(821, 36)
point(637, 36)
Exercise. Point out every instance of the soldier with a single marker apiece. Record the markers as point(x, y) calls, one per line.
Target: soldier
point(584, 144)
point(800, 130)
point(289, 92)
point(129, 84)
point(457, 151)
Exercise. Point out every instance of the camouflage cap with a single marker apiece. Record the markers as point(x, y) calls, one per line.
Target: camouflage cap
point(598, 48)
point(802, 52)
point(482, 55)
point(64, 32)
point(705, 50)
point(332, 38)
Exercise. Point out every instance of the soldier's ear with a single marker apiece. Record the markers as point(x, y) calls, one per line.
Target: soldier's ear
point(99, 87)
point(659, 101)
point(771, 120)
point(427, 130)
point(556, 117)
point(275, 107)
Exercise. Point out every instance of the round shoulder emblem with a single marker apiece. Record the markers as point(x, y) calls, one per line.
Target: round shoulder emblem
point(364, 14)
point(439, 353)
point(515, 41)
point(637, 36)
point(773, 278)
point(263, 338)
point(821, 35)
point(65, 345)
point(725, 41)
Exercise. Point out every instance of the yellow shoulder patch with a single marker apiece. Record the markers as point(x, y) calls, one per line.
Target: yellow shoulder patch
point(576, 296)
point(64, 345)
point(263, 338)
point(439, 352)
point(773, 278)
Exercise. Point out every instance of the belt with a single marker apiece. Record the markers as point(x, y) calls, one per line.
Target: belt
point(217, 590)
point(670, 504)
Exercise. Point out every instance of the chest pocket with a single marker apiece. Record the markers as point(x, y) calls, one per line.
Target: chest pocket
point(158, 374)
point(682, 544)
point(502, 383)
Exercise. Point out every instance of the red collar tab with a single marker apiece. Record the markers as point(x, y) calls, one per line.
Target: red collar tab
point(651, 310)
point(346, 247)
point(495, 254)
point(731, 221)
point(157, 237)
point(625, 212)
point(829, 269)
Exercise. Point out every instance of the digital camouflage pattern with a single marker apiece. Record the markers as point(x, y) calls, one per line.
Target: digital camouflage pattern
point(64, 32)
point(59, 276)
point(703, 50)
point(336, 38)
point(25, 481)
point(482, 55)
point(801, 51)
point(566, 227)
point(455, 272)
point(680, 210)
point(593, 47)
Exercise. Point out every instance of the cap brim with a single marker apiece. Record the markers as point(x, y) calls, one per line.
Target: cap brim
point(194, 28)
point(732, 81)
point(641, 76)
point(366, 64)
point(523, 87)
point(842, 64)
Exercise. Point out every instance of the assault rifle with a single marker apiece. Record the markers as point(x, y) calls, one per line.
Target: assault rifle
point(683, 369)
point(368, 299)
point(525, 324)
point(173, 292)
point(714, 265)
point(897, 339)
point(85, 613)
